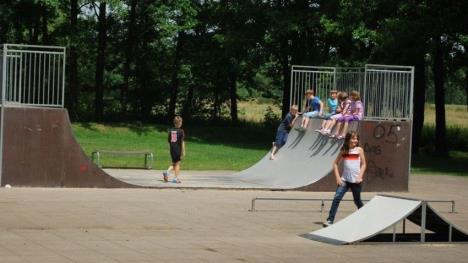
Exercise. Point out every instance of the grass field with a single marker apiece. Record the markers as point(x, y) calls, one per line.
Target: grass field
point(456, 115)
point(215, 147)
point(208, 148)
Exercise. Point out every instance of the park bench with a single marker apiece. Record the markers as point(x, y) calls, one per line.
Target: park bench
point(149, 157)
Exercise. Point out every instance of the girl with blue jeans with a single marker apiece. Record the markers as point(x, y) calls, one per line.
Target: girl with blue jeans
point(354, 167)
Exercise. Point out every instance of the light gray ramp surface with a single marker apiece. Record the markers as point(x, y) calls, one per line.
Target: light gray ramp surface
point(305, 158)
point(377, 215)
point(382, 212)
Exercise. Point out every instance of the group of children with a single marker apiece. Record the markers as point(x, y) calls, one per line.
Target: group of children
point(341, 111)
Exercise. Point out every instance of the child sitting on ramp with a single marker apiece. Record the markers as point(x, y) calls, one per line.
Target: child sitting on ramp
point(354, 167)
point(283, 129)
point(332, 104)
point(313, 108)
point(355, 112)
point(343, 105)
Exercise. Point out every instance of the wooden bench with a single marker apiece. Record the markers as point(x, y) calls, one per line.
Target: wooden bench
point(149, 157)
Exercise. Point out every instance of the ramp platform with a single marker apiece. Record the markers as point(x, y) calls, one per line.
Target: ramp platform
point(41, 150)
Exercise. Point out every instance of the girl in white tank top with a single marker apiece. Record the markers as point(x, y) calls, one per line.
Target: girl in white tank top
point(354, 165)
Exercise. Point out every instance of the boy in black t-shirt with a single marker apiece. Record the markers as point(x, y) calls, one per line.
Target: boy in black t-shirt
point(176, 148)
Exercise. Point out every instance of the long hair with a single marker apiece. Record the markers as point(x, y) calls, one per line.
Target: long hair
point(355, 94)
point(177, 121)
point(345, 148)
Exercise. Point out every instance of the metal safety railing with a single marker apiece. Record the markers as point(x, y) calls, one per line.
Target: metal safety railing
point(349, 79)
point(323, 200)
point(319, 79)
point(386, 90)
point(33, 75)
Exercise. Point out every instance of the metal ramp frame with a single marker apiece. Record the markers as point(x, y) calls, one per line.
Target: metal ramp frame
point(384, 212)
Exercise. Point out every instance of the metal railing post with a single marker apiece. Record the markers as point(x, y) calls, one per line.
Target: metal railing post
point(423, 221)
point(2, 114)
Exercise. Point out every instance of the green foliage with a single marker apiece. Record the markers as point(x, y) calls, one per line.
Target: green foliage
point(457, 139)
point(271, 119)
point(454, 164)
point(206, 49)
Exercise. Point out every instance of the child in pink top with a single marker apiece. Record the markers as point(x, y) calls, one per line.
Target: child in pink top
point(343, 107)
point(354, 112)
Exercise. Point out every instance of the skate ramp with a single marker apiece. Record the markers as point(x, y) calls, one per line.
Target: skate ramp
point(369, 224)
point(41, 150)
point(306, 158)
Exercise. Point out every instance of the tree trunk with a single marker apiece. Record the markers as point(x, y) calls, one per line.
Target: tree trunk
point(45, 31)
point(73, 97)
point(186, 112)
point(175, 76)
point(35, 30)
point(216, 107)
point(466, 87)
point(439, 78)
point(233, 95)
point(419, 99)
point(284, 60)
point(286, 76)
point(100, 63)
point(144, 96)
point(128, 56)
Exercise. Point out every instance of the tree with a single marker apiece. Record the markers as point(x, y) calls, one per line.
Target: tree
point(100, 62)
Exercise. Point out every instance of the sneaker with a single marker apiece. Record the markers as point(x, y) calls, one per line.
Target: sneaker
point(318, 130)
point(298, 128)
point(332, 135)
point(327, 223)
point(165, 177)
point(340, 137)
point(176, 181)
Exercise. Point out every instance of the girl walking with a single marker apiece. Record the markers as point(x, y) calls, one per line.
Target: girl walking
point(354, 166)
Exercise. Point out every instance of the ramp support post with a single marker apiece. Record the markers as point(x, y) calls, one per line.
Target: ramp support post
point(423, 221)
point(394, 234)
point(252, 208)
point(404, 225)
point(450, 233)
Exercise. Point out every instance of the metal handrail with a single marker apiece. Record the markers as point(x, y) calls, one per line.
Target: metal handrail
point(322, 201)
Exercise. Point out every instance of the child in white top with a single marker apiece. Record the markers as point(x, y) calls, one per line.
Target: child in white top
point(354, 167)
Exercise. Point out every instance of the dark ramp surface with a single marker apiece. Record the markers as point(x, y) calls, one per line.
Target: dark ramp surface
point(40, 150)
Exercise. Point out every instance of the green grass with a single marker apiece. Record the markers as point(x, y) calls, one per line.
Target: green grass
point(455, 115)
point(455, 164)
point(217, 147)
point(207, 147)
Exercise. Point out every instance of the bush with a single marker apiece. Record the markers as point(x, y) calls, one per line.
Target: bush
point(457, 138)
point(271, 119)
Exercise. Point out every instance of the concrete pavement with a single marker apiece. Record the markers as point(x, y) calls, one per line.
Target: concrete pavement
point(151, 225)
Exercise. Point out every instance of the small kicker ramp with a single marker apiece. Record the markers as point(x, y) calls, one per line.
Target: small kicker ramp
point(369, 224)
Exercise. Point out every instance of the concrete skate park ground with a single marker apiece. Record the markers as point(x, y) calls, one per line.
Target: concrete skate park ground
point(172, 225)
